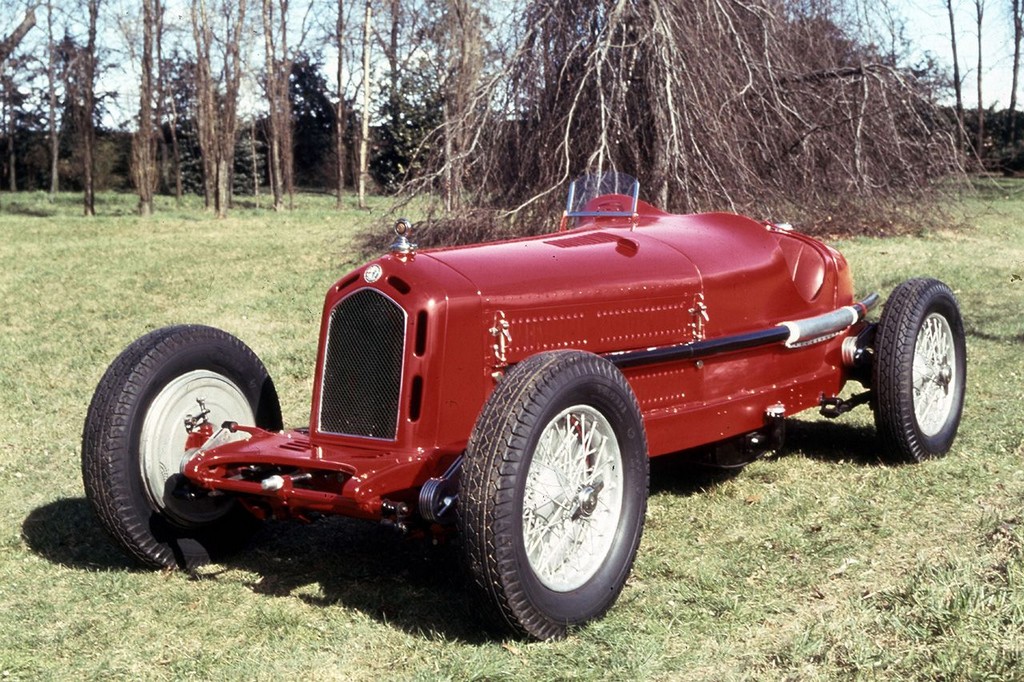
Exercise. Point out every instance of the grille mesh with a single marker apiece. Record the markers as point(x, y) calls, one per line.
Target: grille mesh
point(363, 367)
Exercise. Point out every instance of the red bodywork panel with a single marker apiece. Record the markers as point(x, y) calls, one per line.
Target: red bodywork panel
point(611, 284)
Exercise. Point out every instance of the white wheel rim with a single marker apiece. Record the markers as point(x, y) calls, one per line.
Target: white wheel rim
point(935, 376)
point(573, 498)
point(163, 437)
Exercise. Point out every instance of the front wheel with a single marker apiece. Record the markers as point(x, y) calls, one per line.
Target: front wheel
point(920, 371)
point(135, 438)
point(553, 492)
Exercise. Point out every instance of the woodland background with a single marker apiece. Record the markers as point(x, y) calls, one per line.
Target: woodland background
point(806, 110)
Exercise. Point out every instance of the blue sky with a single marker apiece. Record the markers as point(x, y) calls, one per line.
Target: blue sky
point(928, 27)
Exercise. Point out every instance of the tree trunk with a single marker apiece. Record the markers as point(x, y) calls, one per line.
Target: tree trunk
point(171, 111)
point(205, 119)
point(464, 61)
point(175, 151)
point(364, 136)
point(228, 111)
point(285, 110)
point(957, 84)
point(278, 72)
point(339, 108)
point(222, 197)
point(143, 143)
point(1017, 11)
point(979, 145)
point(273, 106)
point(255, 167)
point(449, 153)
point(163, 182)
point(12, 128)
point(218, 99)
point(89, 103)
point(51, 92)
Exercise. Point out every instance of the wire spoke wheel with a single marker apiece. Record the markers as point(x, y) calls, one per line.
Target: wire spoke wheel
point(573, 498)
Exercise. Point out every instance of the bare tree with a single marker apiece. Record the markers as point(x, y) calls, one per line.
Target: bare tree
point(143, 163)
point(464, 56)
point(979, 144)
point(217, 94)
point(277, 96)
point(89, 111)
point(340, 113)
point(164, 165)
point(957, 82)
point(797, 118)
point(364, 136)
point(143, 29)
point(280, 50)
point(170, 104)
point(1017, 19)
point(9, 43)
point(7, 46)
point(9, 115)
point(53, 134)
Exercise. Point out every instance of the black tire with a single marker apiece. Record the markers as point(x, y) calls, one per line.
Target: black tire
point(493, 515)
point(126, 460)
point(917, 412)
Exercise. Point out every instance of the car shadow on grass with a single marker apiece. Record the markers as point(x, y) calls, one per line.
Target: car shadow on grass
point(686, 473)
point(411, 584)
point(66, 532)
point(679, 474)
point(405, 582)
point(833, 441)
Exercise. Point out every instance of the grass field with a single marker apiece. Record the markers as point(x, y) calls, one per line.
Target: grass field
point(818, 564)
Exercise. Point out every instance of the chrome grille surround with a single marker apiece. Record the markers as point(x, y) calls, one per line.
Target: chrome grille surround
point(361, 384)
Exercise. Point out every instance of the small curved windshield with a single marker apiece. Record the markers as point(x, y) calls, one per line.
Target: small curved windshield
point(584, 190)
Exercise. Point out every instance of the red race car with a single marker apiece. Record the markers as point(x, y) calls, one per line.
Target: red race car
point(513, 392)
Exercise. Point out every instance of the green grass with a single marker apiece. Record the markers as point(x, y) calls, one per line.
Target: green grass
point(818, 564)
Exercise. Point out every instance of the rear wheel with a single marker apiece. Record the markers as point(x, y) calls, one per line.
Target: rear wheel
point(134, 442)
point(920, 371)
point(553, 492)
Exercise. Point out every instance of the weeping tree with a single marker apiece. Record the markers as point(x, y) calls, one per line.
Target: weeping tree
point(764, 107)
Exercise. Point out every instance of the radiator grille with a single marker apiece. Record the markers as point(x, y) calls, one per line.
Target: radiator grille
point(363, 367)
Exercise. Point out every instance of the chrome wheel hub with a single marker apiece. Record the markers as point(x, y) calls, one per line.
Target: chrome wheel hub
point(587, 500)
point(573, 498)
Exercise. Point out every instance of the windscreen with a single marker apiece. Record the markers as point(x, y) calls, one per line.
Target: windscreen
point(587, 188)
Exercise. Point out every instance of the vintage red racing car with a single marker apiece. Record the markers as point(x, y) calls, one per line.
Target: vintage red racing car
point(512, 393)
